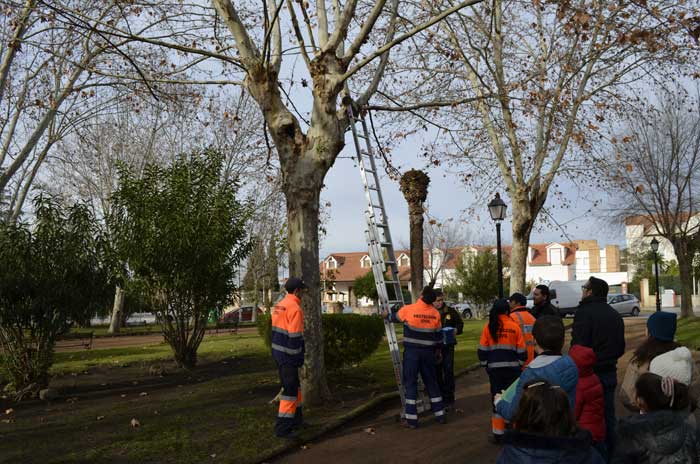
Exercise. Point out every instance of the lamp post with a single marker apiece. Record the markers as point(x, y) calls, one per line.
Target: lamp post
point(497, 209)
point(655, 249)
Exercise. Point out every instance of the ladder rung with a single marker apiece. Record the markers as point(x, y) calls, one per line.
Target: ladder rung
point(386, 244)
point(389, 262)
point(377, 206)
point(369, 171)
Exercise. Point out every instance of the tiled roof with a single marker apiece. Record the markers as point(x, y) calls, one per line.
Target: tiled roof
point(540, 255)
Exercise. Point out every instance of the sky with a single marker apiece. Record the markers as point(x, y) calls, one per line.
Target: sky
point(447, 197)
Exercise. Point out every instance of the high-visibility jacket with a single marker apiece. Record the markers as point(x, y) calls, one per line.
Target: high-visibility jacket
point(508, 350)
point(421, 325)
point(288, 332)
point(526, 321)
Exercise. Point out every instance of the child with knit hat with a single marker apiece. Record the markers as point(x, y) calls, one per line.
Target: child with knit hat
point(678, 365)
point(661, 330)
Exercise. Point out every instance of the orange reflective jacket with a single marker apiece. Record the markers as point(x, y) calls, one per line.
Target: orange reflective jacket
point(507, 350)
point(288, 332)
point(526, 321)
point(421, 325)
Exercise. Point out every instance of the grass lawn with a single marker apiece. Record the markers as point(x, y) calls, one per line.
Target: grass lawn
point(217, 412)
point(688, 332)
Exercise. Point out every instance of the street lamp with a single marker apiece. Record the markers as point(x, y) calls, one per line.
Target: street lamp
point(497, 209)
point(655, 249)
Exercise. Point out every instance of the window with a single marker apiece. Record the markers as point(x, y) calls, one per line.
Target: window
point(555, 256)
point(403, 261)
point(365, 262)
point(331, 264)
point(603, 264)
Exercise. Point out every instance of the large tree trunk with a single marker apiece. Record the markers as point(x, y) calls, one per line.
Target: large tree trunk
point(415, 215)
point(303, 223)
point(522, 223)
point(117, 310)
point(685, 268)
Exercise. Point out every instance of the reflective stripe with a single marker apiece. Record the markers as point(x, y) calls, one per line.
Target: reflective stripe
point(285, 414)
point(419, 342)
point(287, 333)
point(505, 364)
point(522, 350)
point(288, 398)
point(530, 343)
point(497, 347)
point(284, 349)
point(436, 400)
point(410, 401)
point(440, 413)
point(420, 329)
point(411, 416)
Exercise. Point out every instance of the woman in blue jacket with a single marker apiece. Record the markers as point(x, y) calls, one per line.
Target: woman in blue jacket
point(544, 430)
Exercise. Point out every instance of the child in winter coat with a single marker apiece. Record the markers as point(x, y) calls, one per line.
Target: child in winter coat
point(549, 365)
point(544, 430)
point(589, 410)
point(659, 434)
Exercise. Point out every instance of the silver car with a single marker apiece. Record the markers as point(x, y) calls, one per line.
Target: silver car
point(625, 304)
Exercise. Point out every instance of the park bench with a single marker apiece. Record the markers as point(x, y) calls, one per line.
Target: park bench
point(83, 339)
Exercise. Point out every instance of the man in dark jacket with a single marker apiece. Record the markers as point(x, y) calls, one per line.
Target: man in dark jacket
point(542, 306)
point(445, 370)
point(598, 326)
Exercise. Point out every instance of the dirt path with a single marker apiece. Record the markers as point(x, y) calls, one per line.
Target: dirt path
point(462, 439)
point(127, 341)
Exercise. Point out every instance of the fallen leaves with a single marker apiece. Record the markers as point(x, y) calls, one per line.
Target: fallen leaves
point(143, 394)
point(99, 418)
point(135, 423)
point(370, 430)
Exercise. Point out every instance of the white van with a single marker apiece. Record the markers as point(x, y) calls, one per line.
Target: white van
point(564, 294)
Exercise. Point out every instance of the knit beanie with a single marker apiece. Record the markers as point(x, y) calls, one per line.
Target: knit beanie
point(662, 325)
point(677, 364)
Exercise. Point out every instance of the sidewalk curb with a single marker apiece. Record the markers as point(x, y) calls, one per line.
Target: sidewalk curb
point(340, 421)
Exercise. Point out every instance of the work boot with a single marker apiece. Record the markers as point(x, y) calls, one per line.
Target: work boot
point(405, 424)
point(495, 439)
point(441, 419)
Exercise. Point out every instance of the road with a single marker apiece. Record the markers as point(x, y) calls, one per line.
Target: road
point(379, 438)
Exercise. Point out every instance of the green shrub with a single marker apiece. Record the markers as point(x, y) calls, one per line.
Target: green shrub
point(347, 338)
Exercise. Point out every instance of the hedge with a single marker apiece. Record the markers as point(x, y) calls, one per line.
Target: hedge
point(348, 338)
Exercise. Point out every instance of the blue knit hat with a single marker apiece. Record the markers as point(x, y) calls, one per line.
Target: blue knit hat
point(662, 325)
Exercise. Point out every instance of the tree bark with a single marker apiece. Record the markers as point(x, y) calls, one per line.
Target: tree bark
point(415, 216)
point(303, 223)
point(117, 310)
point(680, 247)
point(523, 220)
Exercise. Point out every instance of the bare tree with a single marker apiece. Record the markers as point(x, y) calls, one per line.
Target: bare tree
point(444, 242)
point(547, 74)
point(656, 167)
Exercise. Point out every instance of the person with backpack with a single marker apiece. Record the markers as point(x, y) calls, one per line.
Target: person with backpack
point(545, 431)
point(659, 434)
point(502, 352)
point(589, 409)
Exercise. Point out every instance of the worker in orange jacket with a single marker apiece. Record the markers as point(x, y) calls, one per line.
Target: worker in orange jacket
point(502, 352)
point(288, 352)
point(422, 340)
point(522, 316)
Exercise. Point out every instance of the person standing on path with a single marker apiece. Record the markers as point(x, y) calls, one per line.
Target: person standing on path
point(422, 340)
point(452, 326)
point(502, 352)
point(526, 321)
point(541, 304)
point(598, 326)
point(288, 353)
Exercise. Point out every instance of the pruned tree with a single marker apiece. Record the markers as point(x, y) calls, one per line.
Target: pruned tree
point(547, 74)
point(476, 278)
point(414, 186)
point(656, 167)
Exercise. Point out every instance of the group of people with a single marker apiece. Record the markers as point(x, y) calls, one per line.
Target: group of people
point(552, 407)
point(547, 406)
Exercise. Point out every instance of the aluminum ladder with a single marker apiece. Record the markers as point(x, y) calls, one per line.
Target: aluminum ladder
point(381, 246)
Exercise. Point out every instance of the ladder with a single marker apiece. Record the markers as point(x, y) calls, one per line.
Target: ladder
point(380, 245)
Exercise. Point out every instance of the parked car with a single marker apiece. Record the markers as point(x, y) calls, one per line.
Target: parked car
point(624, 304)
point(465, 309)
point(242, 314)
